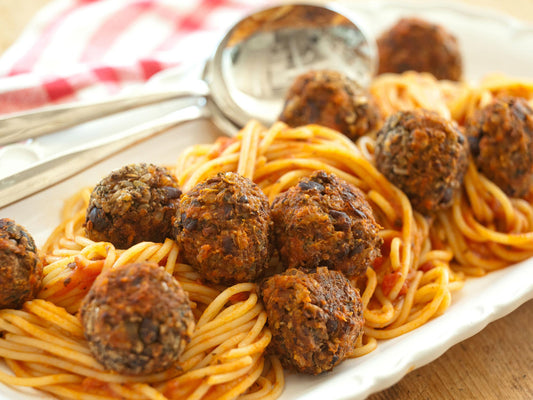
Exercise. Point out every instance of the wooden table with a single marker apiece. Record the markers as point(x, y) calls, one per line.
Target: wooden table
point(497, 363)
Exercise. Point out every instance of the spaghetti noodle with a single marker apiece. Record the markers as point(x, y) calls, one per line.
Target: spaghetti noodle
point(424, 260)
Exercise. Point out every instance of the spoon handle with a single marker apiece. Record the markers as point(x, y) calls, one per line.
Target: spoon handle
point(26, 125)
point(64, 165)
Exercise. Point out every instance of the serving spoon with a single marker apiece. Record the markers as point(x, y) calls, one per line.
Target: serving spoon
point(251, 69)
point(247, 78)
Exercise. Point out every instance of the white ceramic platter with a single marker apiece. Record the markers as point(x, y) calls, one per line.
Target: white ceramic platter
point(489, 43)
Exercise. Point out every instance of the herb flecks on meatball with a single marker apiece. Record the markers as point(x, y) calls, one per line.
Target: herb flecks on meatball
point(315, 318)
point(133, 204)
point(137, 319)
point(21, 269)
point(424, 155)
point(325, 221)
point(414, 44)
point(501, 142)
point(330, 99)
point(224, 228)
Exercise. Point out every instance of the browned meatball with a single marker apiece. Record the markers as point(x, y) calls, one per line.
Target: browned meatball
point(331, 99)
point(418, 45)
point(501, 142)
point(325, 221)
point(315, 318)
point(424, 155)
point(137, 319)
point(225, 229)
point(21, 269)
point(133, 204)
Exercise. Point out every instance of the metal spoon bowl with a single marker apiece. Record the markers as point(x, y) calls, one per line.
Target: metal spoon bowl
point(260, 57)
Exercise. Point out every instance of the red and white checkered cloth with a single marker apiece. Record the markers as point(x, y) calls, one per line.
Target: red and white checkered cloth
point(85, 49)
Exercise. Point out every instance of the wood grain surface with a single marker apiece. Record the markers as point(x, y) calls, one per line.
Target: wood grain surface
point(14, 15)
point(495, 364)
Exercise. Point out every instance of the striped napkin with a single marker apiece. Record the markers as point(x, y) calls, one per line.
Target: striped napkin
point(86, 49)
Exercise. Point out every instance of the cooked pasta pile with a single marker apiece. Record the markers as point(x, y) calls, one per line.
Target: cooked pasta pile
point(424, 260)
point(397, 295)
point(455, 100)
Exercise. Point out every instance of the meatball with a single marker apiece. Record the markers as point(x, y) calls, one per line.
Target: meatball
point(21, 269)
point(424, 155)
point(315, 318)
point(331, 99)
point(133, 204)
point(325, 221)
point(224, 228)
point(137, 319)
point(501, 142)
point(418, 45)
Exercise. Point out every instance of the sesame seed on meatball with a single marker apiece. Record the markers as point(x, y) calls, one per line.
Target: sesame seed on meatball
point(21, 268)
point(325, 221)
point(414, 44)
point(424, 155)
point(501, 141)
point(315, 318)
point(133, 204)
point(224, 228)
point(137, 319)
point(332, 99)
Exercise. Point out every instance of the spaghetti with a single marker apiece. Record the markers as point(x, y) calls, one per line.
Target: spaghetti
point(424, 260)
